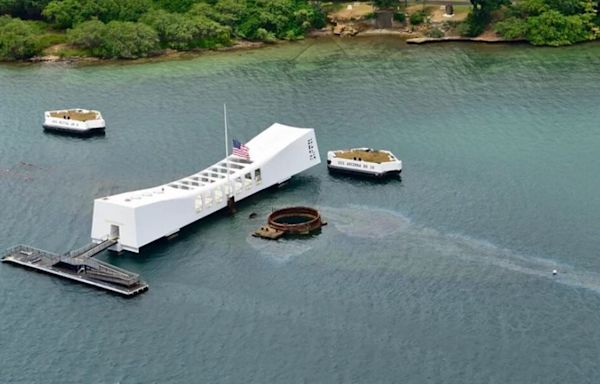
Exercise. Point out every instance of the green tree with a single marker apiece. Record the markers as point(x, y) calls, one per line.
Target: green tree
point(67, 13)
point(568, 7)
point(132, 10)
point(184, 32)
point(480, 16)
point(89, 35)
point(383, 4)
point(27, 9)
point(204, 10)
point(487, 6)
point(128, 40)
point(528, 8)
point(17, 40)
point(512, 28)
point(554, 28)
point(230, 12)
point(180, 6)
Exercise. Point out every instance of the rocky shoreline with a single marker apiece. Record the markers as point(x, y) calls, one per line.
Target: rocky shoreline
point(166, 54)
point(479, 39)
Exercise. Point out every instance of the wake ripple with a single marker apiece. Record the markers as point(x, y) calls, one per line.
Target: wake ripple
point(372, 223)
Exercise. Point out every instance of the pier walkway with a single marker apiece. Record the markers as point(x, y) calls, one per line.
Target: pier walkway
point(79, 265)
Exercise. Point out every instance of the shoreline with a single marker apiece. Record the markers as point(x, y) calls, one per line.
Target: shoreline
point(411, 38)
point(165, 55)
point(448, 39)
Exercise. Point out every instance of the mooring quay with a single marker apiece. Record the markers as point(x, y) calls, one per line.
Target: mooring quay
point(79, 265)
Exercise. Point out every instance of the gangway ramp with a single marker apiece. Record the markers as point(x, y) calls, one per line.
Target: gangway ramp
point(79, 265)
point(92, 249)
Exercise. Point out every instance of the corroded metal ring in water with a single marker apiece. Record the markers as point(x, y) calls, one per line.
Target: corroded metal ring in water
point(296, 220)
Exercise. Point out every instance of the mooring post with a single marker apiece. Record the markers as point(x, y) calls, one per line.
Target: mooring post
point(231, 205)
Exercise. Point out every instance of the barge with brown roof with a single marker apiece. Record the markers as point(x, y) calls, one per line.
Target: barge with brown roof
point(364, 162)
point(76, 121)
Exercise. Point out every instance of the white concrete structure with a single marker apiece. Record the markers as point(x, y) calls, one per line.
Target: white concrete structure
point(364, 161)
point(141, 217)
point(77, 120)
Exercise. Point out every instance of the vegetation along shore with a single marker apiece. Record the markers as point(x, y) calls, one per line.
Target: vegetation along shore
point(131, 29)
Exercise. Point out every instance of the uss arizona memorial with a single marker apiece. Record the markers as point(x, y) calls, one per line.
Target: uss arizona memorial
point(140, 217)
point(130, 220)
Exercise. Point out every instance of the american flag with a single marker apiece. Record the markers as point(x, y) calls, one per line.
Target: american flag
point(241, 150)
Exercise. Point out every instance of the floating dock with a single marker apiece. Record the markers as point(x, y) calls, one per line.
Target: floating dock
point(79, 265)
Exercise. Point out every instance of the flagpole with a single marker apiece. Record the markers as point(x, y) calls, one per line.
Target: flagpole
point(226, 149)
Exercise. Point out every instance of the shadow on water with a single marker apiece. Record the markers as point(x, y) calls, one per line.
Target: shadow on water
point(362, 180)
point(92, 135)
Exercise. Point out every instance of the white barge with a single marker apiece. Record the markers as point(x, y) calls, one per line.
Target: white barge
point(77, 121)
point(364, 162)
point(141, 217)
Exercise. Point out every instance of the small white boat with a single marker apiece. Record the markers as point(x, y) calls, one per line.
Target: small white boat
point(364, 162)
point(78, 121)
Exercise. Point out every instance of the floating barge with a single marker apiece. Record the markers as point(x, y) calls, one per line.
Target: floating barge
point(75, 121)
point(80, 266)
point(364, 162)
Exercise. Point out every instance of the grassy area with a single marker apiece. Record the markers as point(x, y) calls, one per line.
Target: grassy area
point(330, 6)
point(50, 39)
point(68, 51)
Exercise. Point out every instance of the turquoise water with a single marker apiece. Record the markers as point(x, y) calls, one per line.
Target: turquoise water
point(444, 277)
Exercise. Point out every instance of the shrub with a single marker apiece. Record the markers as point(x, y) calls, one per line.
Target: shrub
point(553, 28)
point(230, 12)
point(180, 31)
point(385, 3)
point(369, 16)
point(117, 39)
point(67, 13)
point(128, 40)
point(23, 8)
point(176, 5)
point(89, 35)
point(473, 25)
point(400, 17)
point(512, 28)
point(5, 19)
point(529, 8)
point(132, 10)
point(264, 35)
point(436, 33)
point(17, 40)
point(417, 18)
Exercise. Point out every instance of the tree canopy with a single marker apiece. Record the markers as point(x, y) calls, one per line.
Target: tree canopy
point(17, 39)
point(550, 22)
point(117, 39)
point(134, 28)
point(541, 22)
point(27, 9)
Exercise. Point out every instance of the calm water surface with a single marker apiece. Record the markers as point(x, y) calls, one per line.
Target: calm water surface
point(444, 277)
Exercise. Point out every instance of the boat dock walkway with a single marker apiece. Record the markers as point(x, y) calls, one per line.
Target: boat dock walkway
point(79, 265)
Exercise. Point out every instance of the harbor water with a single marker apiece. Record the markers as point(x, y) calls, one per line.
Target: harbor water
point(442, 277)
